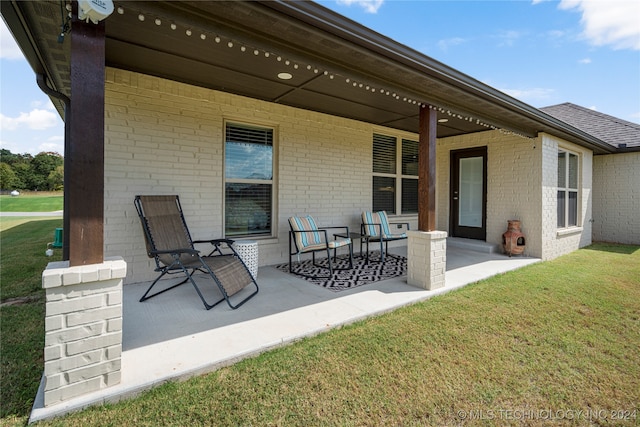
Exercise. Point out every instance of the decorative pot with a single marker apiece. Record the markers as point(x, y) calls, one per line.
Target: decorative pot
point(513, 242)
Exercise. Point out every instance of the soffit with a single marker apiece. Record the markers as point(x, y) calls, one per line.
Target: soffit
point(303, 33)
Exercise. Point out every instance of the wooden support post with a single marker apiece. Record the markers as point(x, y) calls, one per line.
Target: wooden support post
point(85, 155)
point(427, 170)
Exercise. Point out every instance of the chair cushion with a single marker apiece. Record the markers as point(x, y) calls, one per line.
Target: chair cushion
point(306, 240)
point(374, 222)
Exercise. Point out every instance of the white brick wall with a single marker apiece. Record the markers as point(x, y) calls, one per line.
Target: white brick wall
point(513, 183)
point(164, 137)
point(559, 242)
point(83, 328)
point(426, 259)
point(616, 198)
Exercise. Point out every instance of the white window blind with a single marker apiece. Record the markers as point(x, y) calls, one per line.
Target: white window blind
point(248, 180)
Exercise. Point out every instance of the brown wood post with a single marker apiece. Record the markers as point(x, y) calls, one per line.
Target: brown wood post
point(427, 170)
point(85, 183)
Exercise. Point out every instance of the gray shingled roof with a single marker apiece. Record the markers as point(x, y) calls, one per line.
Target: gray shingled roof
point(609, 129)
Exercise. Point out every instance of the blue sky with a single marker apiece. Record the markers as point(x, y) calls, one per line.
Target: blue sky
point(541, 52)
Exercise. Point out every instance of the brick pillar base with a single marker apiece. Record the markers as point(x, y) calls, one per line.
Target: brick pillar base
point(83, 328)
point(427, 259)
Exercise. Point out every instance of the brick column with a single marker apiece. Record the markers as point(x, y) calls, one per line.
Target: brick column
point(83, 328)
point(427, 259)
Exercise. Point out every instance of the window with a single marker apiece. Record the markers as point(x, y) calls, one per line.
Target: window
point(395, 175)
point(567, 189)
point(248, 180)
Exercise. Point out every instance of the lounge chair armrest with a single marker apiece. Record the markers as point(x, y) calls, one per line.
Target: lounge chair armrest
point(176, 251)
point(215, 242)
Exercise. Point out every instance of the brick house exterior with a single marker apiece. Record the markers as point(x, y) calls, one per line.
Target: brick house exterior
point(177, 73)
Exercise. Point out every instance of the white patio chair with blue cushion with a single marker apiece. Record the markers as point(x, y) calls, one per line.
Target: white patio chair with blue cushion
point(306, 237)
point(377, 228)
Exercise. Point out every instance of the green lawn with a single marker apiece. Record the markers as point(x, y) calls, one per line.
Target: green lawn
point(32, 202)
point(549, 342)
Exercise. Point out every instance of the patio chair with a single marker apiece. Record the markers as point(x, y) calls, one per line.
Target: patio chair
point(169, 243)
point(377, 228)
point(306, 237)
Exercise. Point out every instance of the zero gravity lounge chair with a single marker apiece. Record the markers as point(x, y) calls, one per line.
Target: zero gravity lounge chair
point(169, 243)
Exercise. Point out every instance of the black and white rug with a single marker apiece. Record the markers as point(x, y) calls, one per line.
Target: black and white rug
point(361, 274)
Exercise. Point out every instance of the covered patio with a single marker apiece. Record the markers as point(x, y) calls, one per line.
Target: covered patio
point(172, 337)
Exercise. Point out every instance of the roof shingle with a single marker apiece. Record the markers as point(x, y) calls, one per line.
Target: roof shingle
point(612, 130)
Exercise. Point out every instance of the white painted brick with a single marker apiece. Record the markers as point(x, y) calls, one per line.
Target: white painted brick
point(74, 304)
point(52, 352)
point(112, 378)
point(75, 319)
point(616, 198)
point(53, 381)
point(92, 371)
point(64, 364)
point(113, 352)
point(114, 298)
point(93, 343)
point(52, 323)
point(71, 276)
point(67, 392)
point(114, 325)
point(73, 334)
point(50, 278)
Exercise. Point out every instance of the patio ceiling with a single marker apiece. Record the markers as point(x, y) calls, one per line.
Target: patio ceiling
point(337, 67)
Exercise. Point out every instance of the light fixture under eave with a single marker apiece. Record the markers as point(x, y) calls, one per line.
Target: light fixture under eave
point(285, 76)
point(443, 120)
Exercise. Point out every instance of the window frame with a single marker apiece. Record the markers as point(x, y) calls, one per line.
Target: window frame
point(398, 176)
point(568, 190)
point(272, 233)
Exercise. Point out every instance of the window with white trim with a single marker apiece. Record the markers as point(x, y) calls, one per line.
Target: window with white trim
point(568, 203)
point(395, 175)
point(248, 177)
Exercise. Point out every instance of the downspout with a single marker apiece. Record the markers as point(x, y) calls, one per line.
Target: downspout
point(42, 84)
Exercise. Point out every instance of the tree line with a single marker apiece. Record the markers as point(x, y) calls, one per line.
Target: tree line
point(42, 172)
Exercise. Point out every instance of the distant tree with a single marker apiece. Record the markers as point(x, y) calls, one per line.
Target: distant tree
point(24, 176)
point(55, 180)
point(39, 172)
point(11, 159)
point(8, 178)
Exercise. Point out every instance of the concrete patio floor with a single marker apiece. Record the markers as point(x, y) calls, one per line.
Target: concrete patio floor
point(172, 336)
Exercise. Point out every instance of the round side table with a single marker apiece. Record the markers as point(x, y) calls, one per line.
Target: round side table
point(248, 252)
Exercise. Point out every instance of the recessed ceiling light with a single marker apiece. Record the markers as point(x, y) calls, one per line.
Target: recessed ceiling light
point(285, 76)
point(443, 120)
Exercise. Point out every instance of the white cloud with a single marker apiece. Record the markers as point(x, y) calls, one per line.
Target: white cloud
point(445, 44)
point(370, 6)
point(585, 61)
point(54, 144)
point(509, 37)
point(36, 119)
point(529, 96)
point(610, 22)
point(8, 47)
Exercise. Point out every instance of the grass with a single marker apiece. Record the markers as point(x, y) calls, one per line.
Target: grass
point(32, 202)
point(22, 261)
point(556, 336)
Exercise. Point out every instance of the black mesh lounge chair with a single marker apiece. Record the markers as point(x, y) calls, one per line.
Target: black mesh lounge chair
point(169, 243)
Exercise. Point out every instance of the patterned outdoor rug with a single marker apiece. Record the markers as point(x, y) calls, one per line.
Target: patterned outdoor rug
point(361, 274)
